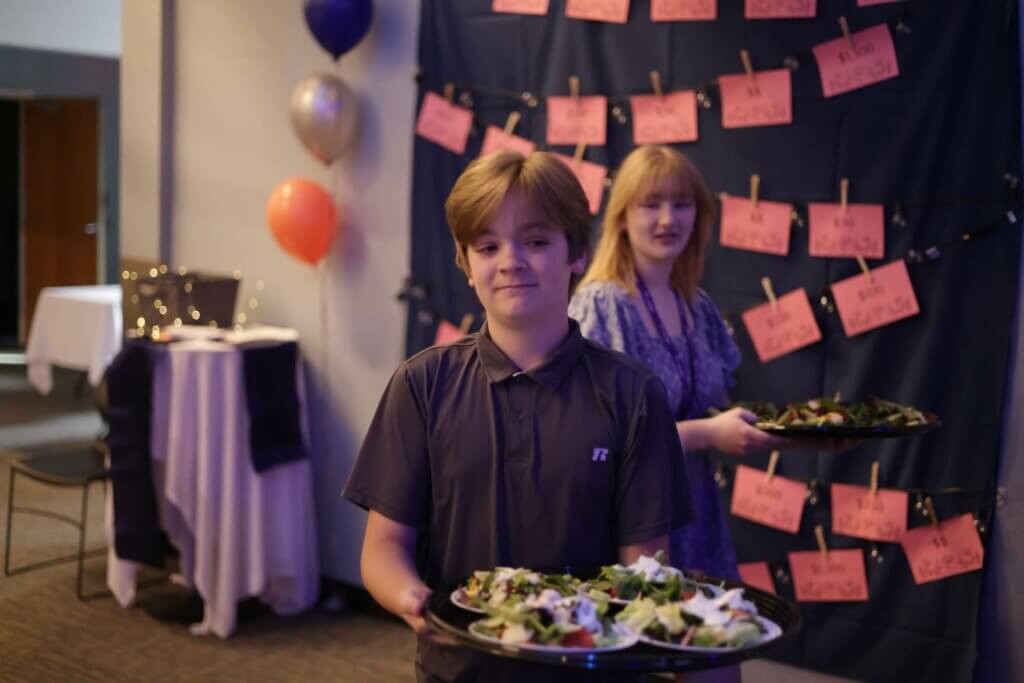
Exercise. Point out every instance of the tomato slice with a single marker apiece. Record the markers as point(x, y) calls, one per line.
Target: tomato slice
point(581, 638)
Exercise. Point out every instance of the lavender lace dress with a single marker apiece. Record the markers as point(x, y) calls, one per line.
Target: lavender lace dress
point(607, 315)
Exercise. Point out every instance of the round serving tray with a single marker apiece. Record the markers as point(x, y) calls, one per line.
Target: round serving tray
point(451, 620)
point(845, 432)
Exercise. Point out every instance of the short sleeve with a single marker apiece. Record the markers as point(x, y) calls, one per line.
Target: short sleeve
point(602, 316)
point(653, 490)
point(719, 340)
point(391, 474)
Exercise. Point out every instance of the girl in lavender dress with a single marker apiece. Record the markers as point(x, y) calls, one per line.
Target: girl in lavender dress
point(640, 296)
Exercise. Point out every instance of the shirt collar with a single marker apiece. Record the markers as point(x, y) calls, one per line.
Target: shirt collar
point(550, 373)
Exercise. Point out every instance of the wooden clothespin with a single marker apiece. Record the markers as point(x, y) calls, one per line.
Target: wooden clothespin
point(864, 268)
point(819, 533)
point(581, 149)
point(467, 322)
point(511, 122)
point(769, 291)
point(773, 462)
point(574, 88)
point(845, 28)
point(874, 479)
point(747, 66)
point(844, 194)
point(755, 185)
point(449, 92)
point(930, 507)
point(656, 84)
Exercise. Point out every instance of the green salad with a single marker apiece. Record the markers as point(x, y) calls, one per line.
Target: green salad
point(503, 585)
point(550, 619)
point(874, 413)
point(723, 621)
point(648, 577)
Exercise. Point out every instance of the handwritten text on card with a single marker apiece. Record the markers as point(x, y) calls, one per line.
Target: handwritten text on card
point(521, 6)
point(871, 58)
point(495, 140)
point(684, 10)
point(783, 328)
point(666, 119)
point(953, 548)
point(859, 231)
point(583, 119)
point(766, 99)
point(591, 177)
point(443, 123)
point(838, 576)
point(758, 575)
point(779, 9)
point(884, 296)
point(615, 11)
point(879, 517)
point(777, 502)
point(764, 229)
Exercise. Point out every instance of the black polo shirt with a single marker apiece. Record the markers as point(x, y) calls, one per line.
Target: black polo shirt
point(552, 467)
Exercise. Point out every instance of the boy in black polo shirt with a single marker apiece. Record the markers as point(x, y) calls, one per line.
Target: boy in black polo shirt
point(523, 444)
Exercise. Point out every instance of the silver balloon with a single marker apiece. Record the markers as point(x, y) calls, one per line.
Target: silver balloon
point(324, 114)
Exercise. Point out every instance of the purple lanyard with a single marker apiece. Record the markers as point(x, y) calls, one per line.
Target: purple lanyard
point(645, 294)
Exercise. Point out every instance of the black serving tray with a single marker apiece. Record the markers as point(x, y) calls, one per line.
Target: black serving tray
point(453, 621)
point(852, 432)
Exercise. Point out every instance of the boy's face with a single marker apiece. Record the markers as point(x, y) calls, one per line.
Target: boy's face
point(520, 266)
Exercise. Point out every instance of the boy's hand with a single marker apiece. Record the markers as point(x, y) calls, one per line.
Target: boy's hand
point(411, 605)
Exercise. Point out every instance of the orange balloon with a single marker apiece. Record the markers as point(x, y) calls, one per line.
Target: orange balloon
point(302, 219)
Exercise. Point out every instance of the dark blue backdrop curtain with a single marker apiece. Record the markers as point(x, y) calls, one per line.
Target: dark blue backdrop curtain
point(938, 139)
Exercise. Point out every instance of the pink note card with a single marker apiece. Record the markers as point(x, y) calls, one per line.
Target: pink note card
point(764, 229)
point(665, 119)
point(444, 123)
point(780, 9)
point(871, 59)
point(866, 302)
point(859, 231)
point(571, 121)
point(783, 328)
point(684, 10)
point(495, 140)
point(878, 517)
point(521, 6)
point(838, 576)
point(591, 177)
point(869, 3)
point(614, 11)
point(777, 502)
point(447, 333)
point(764, 100)
point(953, 548)
point(758, 575)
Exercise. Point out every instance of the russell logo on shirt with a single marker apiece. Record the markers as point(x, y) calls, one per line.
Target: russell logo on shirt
point(600, 455)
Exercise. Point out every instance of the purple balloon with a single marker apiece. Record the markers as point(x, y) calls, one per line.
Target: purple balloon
point(338, 25)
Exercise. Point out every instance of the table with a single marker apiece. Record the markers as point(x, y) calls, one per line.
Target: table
point(239, 533)
point(73, 327)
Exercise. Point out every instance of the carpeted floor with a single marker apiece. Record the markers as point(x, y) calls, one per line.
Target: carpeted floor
point(47, 634)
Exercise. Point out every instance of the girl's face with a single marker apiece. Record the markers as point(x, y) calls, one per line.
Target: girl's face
point(660, 222)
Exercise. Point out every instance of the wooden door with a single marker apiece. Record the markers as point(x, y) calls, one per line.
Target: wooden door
point(61, 196)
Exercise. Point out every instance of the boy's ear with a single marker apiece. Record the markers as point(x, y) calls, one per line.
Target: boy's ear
point(578, 266)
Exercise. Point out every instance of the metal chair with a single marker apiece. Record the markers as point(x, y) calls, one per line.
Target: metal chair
point(72, 466)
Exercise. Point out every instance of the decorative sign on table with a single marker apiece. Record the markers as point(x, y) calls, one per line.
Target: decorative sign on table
point(780, 9)
point(762, 226)
point(833, 576)
point(664, 119)
point(878, 298)
point(572, 120)
point(783, 327)
point(878, 516)
point(614, 11)
point(444, 123)
point(521, 6)
point(496, 140)
point(591, 177)
point(770, 500)
point(758, 575)
point(864, 58)
point(684, 10)
point(857, 230)
point(945, 549)
point(761, 98)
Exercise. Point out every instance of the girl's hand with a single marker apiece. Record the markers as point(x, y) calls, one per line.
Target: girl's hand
point(732, 431)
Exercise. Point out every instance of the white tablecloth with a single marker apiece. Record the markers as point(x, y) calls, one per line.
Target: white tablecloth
point(74, 327)
point(239, 533)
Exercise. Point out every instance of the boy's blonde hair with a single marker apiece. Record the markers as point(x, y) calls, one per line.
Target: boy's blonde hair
point(540, 180)
point(644, 169)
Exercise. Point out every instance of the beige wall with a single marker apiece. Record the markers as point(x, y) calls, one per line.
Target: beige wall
point(234, 65)
point(91, 27)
